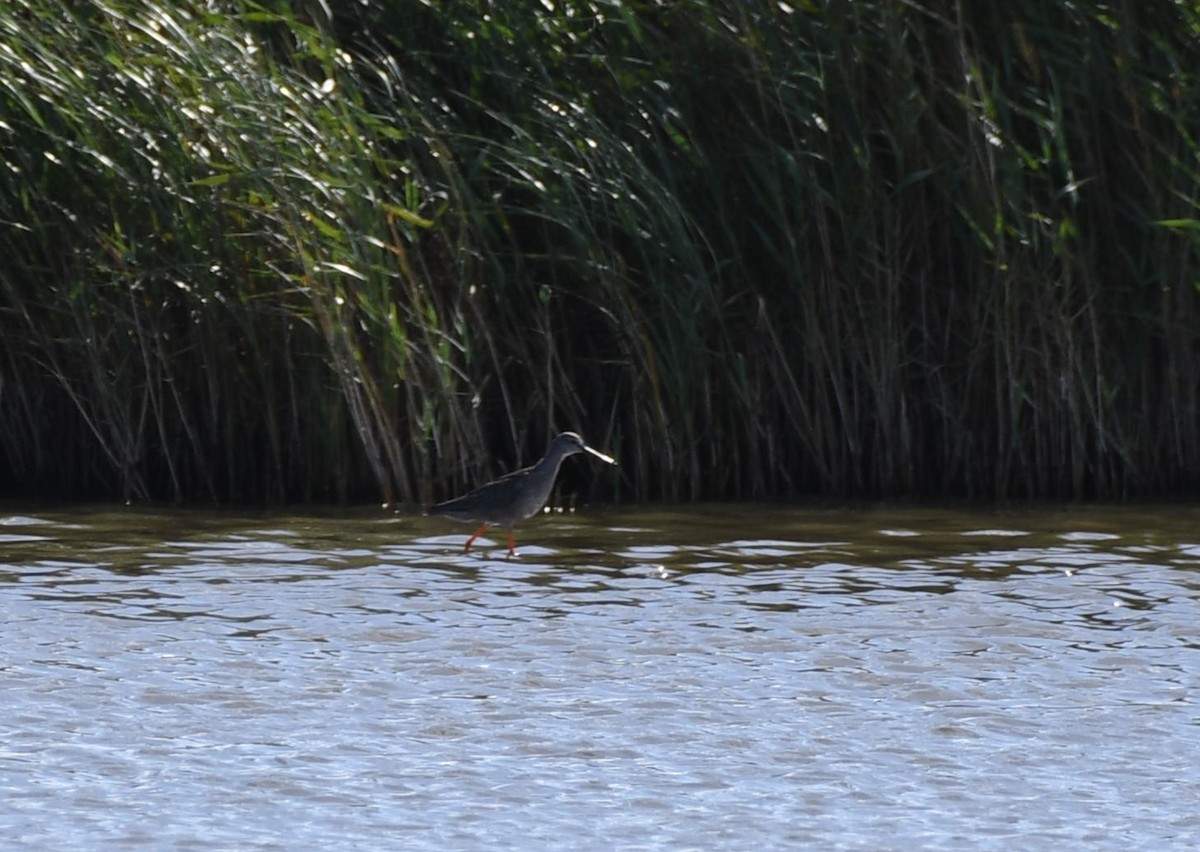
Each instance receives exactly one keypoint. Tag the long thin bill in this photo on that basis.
(600, 455)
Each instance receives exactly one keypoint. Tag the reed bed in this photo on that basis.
(275, 252)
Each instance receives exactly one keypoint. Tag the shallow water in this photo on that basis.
(713, 678)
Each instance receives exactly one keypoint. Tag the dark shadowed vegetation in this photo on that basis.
(340, 251)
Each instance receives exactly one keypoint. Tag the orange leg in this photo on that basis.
(512, 544)
(471, 540)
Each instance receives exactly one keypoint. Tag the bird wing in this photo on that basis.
(474, 505)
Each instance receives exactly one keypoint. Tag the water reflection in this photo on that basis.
(715, 678)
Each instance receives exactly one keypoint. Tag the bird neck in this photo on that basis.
(550, 463)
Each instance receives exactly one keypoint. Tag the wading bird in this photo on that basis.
(517, 495)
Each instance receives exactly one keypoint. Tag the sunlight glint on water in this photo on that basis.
(716, 678)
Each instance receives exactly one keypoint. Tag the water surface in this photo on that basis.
(705, 678)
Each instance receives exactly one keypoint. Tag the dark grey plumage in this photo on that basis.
(517, 495)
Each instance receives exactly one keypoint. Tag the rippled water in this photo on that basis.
(715, 678)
